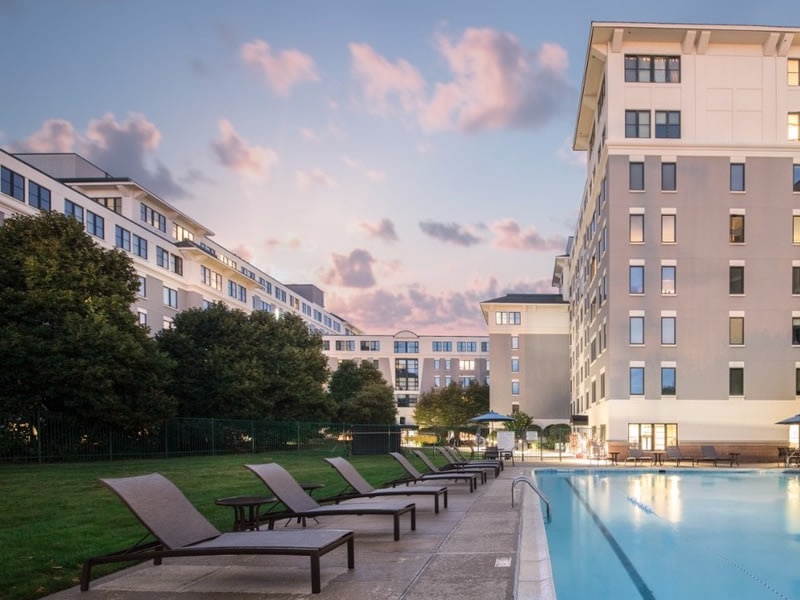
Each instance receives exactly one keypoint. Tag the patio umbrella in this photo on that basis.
(795, 420)
(491, 417)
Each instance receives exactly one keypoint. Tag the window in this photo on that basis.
(170, 297)
(668, 331)
(515, 388)
(636, 229)
(602, 385)
(796, 178)
(122, 238)
(515, 365)
(668, 124)
(514, 342)
(176, 264)
(736, 279)
(467, 346)
(794, 127)
(736, 331)
(795, 331)
(669, 177)
(736, 381)
(793, 71)
(75, 211)
(442, 346)
(210, 278)
(507, 318)
(484, 346)
(38, 196)
(167, 323)
(636, 331)
(652, 69)
(447, 364)
(466, 365)
(668, 280)
(437, 363)
(637, 123)
(637, 381)
(467, 381)
(95, 225)
(370, 345)
(180, 234)
(406, 374)
(346, 345)
(737, 229)
(142, 291)
(142, 316)
(796, 229)
(114, 204)
(795, 280)
(162, 257)
(237, 291)
(667, 381)
(406, 347)
(447, 380)
(437, 381)
(636, 174)
(139, 246)
(406, 401)
(636, 279)
(153, 218)
(12, 184)
(737, 177)
(668, 229)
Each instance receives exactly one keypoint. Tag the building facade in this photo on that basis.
(683, 279)
(529, 352)
(414, 363)
(179, 264)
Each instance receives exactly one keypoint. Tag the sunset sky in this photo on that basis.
(410, 158)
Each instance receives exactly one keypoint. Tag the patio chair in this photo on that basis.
(459, 455)
(454, 463)
(674, 453)
(362, 489)
(636, 455)
(787, 456)
(414, 475)
(708, 454)
(434, 469)
(299, 504)
(180, 530)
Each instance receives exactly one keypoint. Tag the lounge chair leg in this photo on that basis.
(351, 553)
(414, 518)
(445, 498)
(86, 573)
(396, 527)
(436, 503)
(471, 489)
(316, 586)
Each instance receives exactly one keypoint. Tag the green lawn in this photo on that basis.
(53, 516)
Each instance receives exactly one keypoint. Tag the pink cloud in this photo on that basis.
(243, 252)
(238, 154)
(353, 270)
(383, 229)
(309, 134)
(290, 242)
(316, 177)
(511, 236)
(452, 233)
(55, 135)
(283, 70)
(384, 82)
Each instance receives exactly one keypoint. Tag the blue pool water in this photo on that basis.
(674, 535)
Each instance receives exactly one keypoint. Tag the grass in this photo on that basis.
(54, 516)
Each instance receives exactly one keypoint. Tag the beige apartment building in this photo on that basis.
(414, 363)
(683, 279)
(180, 266)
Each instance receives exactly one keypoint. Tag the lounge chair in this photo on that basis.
(362, 489)
(460, 455)
(636, 455)
(180, 530)
(299, 504)
(414, 475)
(674, 453)
(787, 456)
(709, 454)
(454, 463)
(436, 470)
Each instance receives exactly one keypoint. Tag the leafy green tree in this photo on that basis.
(70, 343)
(373, 404)
(347, 381)
(451, 406)
(522, 422)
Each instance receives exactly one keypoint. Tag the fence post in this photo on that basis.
(252, 437)
(166, 438)
(110, 449)
(297, 425)
(560, 437)
(39, 436)
(213, 440)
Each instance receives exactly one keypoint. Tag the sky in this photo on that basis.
(410, 158)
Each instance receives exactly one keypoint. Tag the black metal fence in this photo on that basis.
(51, 438)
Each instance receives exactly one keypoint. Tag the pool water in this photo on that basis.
(683, 535)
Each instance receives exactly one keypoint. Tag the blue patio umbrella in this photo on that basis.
(795, 420)
(491, 417)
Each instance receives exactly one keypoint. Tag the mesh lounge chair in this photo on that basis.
(180, 530)
(362, 489)
(436, 470)
(674, 453)
(636, 455)
(709, 454)
(414, 475)
(299, 504)
(459, 455)
(454, 463)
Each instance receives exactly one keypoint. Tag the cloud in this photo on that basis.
(243, 252)
(309, 134)
(282, 71)
(383, 229)
(376, 175)
(424, 147)
(316, 177)
(55, 135)
(354, 270)
(290, 242)
(351, 162)
(198, 176)
(200, 67)
(510, 236)
(236, 153)
(449, 232)
(570, 156)
(384, 83)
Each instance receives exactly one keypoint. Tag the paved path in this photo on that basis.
(454, 554)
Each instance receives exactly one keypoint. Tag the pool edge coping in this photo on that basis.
(534, 572)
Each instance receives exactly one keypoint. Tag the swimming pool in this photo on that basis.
(674, 534)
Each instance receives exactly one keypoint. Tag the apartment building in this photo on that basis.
(414, 363)
(683, 279)
(179, 264)
(529, 352)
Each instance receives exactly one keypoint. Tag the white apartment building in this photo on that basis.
(683, 280)
(414, 363)
(179, 264)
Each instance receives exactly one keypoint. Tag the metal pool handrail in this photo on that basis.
(532, 485)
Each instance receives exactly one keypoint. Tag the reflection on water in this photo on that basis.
(793, 504)
(658, 492)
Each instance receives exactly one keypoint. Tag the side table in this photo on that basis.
(248, 521)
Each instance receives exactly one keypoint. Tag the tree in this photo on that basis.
(451, 406)
(70, 343)
(521, 423)
(361, 395)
